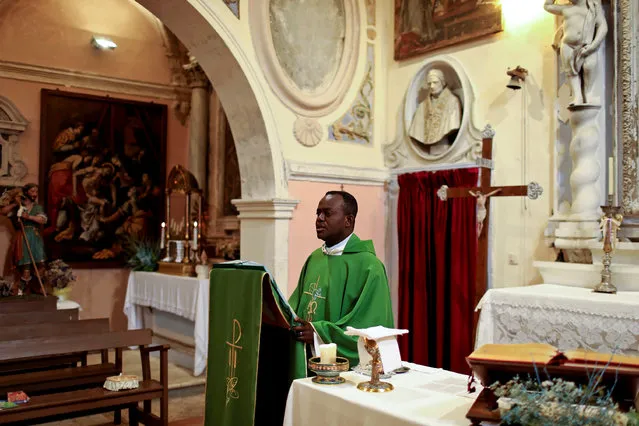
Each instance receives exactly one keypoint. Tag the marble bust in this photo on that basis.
(438, 117)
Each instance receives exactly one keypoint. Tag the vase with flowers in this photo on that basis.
(59, 276)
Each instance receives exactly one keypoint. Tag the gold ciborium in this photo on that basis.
(328, 374)
(374, 384)
(610, 223)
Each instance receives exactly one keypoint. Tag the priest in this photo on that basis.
(343, 283)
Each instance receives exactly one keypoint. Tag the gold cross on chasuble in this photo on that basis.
(533, 191)
(315, 291)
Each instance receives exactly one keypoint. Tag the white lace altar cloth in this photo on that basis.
(565, 317)
(186, 297)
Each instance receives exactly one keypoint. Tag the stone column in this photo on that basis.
(198, 123)
(392, 242)
(268, 222)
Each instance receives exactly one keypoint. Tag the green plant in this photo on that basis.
(143, 254)
(558, 402)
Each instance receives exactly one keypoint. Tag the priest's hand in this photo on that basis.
(303, 332)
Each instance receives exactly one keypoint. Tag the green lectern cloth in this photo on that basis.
(252, 357)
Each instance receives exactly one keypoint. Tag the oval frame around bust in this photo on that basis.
(324, 101)
(459, 84)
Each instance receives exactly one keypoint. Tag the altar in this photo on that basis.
(423, 396)
(176, 308)
(565, 317)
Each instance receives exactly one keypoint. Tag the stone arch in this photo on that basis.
(222, 59)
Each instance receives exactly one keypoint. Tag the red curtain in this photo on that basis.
(437, 263)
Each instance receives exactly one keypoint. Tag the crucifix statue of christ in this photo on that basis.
(483, 193)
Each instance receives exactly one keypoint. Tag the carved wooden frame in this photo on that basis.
(626, 103)
(301, 102)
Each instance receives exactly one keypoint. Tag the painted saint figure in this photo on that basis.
(583, 31)
(27, 247)
(438, 117)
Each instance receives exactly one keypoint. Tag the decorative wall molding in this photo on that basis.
(277, 208)
(626, 119)
(12, 124)
(403, 152)
(303, 103)
(331, 173)
(87, 80)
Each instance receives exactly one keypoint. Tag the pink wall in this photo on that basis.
(370, 223)
(100, 292)
(57, 33)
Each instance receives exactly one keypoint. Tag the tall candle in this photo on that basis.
(162, 235)
(328, 353)
(195, 234)
(611, 174)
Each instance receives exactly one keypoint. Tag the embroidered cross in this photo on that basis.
(315, 291)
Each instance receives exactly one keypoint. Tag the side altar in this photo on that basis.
(176, 308)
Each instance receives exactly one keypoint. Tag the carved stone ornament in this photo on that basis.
(436, 123)
(310, 75)
(12, 124)
(307, 131)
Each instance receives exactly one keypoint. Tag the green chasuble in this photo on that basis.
(347, 290)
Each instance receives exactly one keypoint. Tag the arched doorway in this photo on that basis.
(264, 207)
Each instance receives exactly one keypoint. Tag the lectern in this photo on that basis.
(253, 358)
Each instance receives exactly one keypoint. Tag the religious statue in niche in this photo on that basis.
(438, 117)
(582, 33)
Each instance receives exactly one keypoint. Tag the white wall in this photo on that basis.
(518, 224)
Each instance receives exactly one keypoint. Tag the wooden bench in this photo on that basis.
(18, 326)
(86, 395)
(12, 305)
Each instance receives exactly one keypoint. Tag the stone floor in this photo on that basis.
(186, 395)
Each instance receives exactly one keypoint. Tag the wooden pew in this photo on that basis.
(22, 318)
(11, 305)
(86, 395)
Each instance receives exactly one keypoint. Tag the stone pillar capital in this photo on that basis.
(276, 208)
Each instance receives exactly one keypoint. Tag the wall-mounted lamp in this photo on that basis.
(517, 76)
(103, 43)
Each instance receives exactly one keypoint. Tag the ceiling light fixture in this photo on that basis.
(103, 43)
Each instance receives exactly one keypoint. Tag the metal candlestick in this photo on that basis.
(610, 223)
(374, 385)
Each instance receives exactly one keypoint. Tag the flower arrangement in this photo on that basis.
(229, 249)
(143, 254)
(559, 402)
(59, 275)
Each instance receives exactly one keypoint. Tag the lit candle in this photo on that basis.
(611, 174)
(328, 353)
(162, 235)
(195, 235)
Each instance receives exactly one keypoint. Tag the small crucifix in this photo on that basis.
(483, 193)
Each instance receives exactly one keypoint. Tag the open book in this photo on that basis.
(544, 354)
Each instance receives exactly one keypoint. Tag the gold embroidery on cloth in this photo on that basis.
(315, 291)
(231, 380)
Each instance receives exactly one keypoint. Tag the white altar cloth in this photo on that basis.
(565, 317)
(186, 297)
(423, 396)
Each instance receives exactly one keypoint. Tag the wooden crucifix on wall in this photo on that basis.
(483, 193)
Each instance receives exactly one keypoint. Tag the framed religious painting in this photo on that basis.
(425, 25)
(102, 174)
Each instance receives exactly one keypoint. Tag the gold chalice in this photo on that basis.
(328, 374)
(374, 384)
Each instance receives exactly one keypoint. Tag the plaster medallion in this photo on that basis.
(307, 131)
(307, 50)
